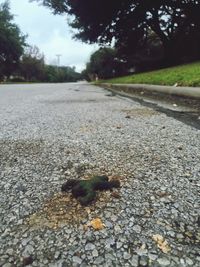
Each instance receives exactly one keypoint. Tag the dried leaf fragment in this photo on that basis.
(161, 243)
(96, 224)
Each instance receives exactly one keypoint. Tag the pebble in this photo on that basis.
(99, 260)
(77, 260)
(163, 261)
(108, 224)
(89, 246)
(117, 229)
(28, 251)
(95, 253)
(25, 241)
(137, 229)
(152, 257)
(134, 261)
(119, 245)
(127, 255)
(113, 218)
(9, 251)
(189, 261)
(143, 261)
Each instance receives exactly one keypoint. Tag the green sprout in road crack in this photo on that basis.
(85, 190)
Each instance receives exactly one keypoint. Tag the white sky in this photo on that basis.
(50, 33)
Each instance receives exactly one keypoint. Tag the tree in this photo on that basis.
(31, 66)
(12, 42)
(61, 74)
(102, 63)
(129, 23)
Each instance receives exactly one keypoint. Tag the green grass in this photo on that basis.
(184, 75)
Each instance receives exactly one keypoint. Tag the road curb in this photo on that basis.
(146, 89)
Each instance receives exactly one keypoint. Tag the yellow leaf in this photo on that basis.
(97, 224)
(161, 243)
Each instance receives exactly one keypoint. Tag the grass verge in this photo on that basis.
(183, 75)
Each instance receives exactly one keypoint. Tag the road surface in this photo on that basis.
(53, 132)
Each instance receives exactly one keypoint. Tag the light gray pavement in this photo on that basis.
(50, 133)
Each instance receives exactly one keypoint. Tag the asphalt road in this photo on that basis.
(53, 132)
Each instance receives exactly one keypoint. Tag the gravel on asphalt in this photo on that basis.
(51, 133)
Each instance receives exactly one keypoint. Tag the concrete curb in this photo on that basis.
(146, 89)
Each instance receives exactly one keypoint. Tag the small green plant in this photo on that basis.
(85, 190)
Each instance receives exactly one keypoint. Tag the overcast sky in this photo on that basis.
(50, 33)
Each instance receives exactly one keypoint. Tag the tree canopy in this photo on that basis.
(102, 63)
(61, 74)
(31, 66)
(12, 42)
(128, 23)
